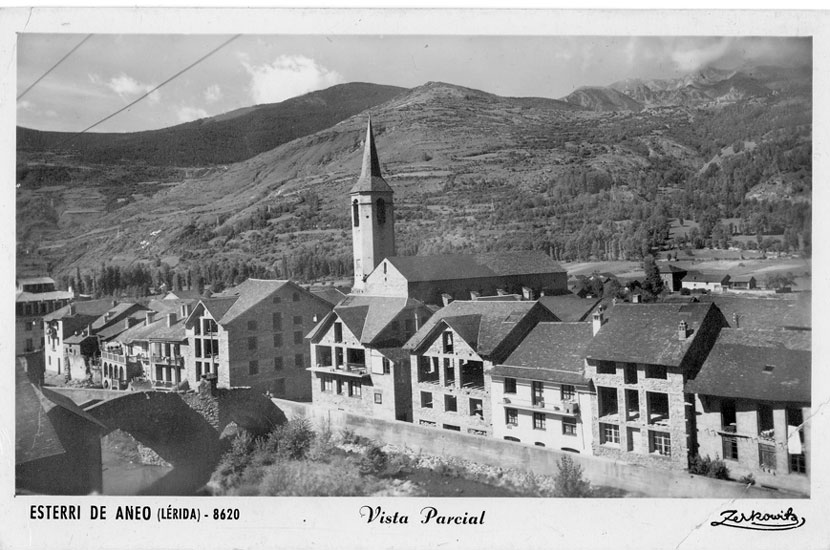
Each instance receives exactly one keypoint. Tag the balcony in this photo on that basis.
(168, 361)
(114, 357)
(356, 370)
(561, 408)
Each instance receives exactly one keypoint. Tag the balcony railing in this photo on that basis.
(349, 369)
(564, 408)
(167, 360)
(116, 357)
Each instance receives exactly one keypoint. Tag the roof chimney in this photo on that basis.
(149, 317)
(185, 311)
(71, 309)
(682, 330)
(171, 319)
(474, 294)
(528, 294)
(446, 298)
(417, 321)
(114, 303)
(598, 319)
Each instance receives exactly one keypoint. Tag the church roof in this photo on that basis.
(473, 266)
(370, 180)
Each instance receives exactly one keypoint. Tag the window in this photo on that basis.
(30, 346)
(606, 367)
(277, 363)
(539, 444)
(276, 300)
(252, 342)
(276, 318)
(728, 420)
(660, 443)
(279, 387)
(632, 404)
(298, 337)
(609, 434)
(449, 372)
(355, 388)
(766, 427)
(476, 408)
(387, 366)
(795, 440)
(730, 447)
(509, 385)
(568, 426)
(511, 417)
(426, 400)
(450, 403)
(378, 398)
(338, 333)
(295, 297)
(298, 319)
(28, 326)
(630, 373)
(566, 392)
(355, 213)
(278, 340)
(381, 211)
(448, 346)
(658, 407)
(656, 371)
(299, 360)
(452, 428)
(538, 421)
(538, 393)
(339, 387)
(251, 325)
(253, 367)
(607, 398)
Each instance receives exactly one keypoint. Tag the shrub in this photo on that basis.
(291, 440)
(322, 447)
(338, 478)
(748, 479)
(569, 481)
(373, 461)
(708, 467)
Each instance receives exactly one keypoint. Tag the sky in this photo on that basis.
(108, 72)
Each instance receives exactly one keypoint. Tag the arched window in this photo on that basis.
(381, 207)
(355, 213)
(121, 373)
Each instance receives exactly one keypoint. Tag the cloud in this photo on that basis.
(186, 114)
(213, 93)
(25, 105)
(127, 87)
(693, 57)
(288, 76)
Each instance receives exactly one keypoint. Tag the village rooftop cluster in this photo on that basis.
(486, 345)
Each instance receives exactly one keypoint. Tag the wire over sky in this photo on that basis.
(53, 67)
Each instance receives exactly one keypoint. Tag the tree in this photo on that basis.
(653, 284)
(569, 482)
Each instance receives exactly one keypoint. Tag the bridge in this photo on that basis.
(185, 429)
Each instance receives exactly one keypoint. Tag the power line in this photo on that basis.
(53, 67)
(178, 74)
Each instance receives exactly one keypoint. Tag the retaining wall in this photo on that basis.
(494, 452)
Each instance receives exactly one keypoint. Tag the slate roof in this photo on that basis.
(483, 325)
(737, 366)
(171, 305)
(157, 330)
(117, 313)
(647, 333)
(570, 307)
(764, 313)
(698, 277)
(368, 317)
(553, 352)
(669, 268)
(35, 281)
(370, 180)
(192, 295)
(118, 327)
(471, 266)
(43, 296)
(96, 308)
(249, 293)
(35, 435)
(217, 307)
(77, 338)
(742, 278)
(329, 294)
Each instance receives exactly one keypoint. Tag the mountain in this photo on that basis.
(472, 171)
(226, 138)
(597, 98)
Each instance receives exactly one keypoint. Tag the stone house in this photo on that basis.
(639, 362)
(672, 276)
(357, 363)
(709, 282)
(451, 357)
(540, 395)
(36, 297)
(743, 282)
(753, 405)
(254, 335)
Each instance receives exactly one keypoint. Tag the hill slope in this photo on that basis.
(223, 139)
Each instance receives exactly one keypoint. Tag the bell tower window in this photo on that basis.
(355, 213)
(381, 209)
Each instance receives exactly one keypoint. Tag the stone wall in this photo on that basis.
(649, 481)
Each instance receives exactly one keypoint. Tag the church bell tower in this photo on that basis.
(373, 215)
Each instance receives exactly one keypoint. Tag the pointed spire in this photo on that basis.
(371, 164)
(370, 180)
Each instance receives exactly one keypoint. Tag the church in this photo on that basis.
(438, 279)
(359, 361)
